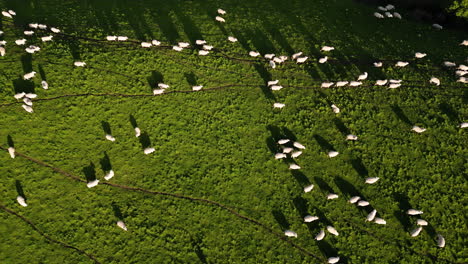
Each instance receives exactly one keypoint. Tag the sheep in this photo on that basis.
(155, 42)
(420, 55)
(46, 38)
(388, 14)
(20, 42)
(269, 56)
(33, 25)
(354, 83)
(29, 75)
(463, 125)
(449, 64)
(310, 218)
(158, 91)
(277, 60)
(354, 199)
(163, 85)
(283, 58)
(28, 33)
(55, 30)
(27, 101)
(381, 8)
(351, 137)
(327, 84)
(341, 83)
(19, 95)
(148, 150)
(137, 132)
(110, 137)
(30, 95)
(320, 235)
(13, 13)
(435, 81)
(333, 154)
(397, 15)
(221, 11)
(390, 7)
(254, 54)
(332, 196)
(380, 221)
(421, 222)
(28, 50)
(308, 188)
(276, 87)
(44, 85)
(283, 141)
(203, 52)
(109, 175)
(395, 81)
(6, 14)
(323, 60)
(294, 167)
(177, 48)
(370, 217)
(200, 42)
(401, 63)
(296, 154)
(440, 241)
(92, 184)
(270, 83)
(122, 225)
(378, 15)
(437, 26)
(378, 64)
(146, 44)
(290, 233)
(394, 85)
(296, 55)
(332, 230)
(418, 129)
(20, 199)
(122, 38)
(381, 82)
(363, 203)
(220, 19)
(79, 63)
(462, 80)
(287, 150)
(272, 64)
(280, 156)
(372, 180)
(232, 39)
(207, 47)
(461, 73)
(362, 76)
(197, 87)
(278, 105)
(414, 212)
(302, 59)
(11, 151)
(327, 48)
(335, 109)
(298, 145)
(464, 42)
(333, 260)
(183, 44)
(415, 232)
(41, 26)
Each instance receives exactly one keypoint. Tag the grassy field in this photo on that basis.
(219, 144)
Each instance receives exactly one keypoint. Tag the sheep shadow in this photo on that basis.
(266, 76)
(327, 249)
(20, 85)
(299, 176)
(190, 29)
(167, 27)
(359, 167)
(301, 205)
(155, 78)
(323, 185)
(133, 121)
(401, 215)
(10, 141)
(341, 126)
(261, 42)
(324, 144)
(105, 163)
(90, 172)
(347, 188)
(400, 114)
(42, 72)
(191, 78)
(145, 140)
(277, 36)
(277, 133)
(281, 219)
(449, 111)
(117, 212)
(106, 127)
(19, 189)
(26, 62)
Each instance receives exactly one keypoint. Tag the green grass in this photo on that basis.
(218, 144)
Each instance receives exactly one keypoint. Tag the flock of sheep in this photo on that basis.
(290, 149)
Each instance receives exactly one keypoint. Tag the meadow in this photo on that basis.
(212, 192)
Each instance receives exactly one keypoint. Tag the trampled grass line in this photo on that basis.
(61, 243)
(178, 196)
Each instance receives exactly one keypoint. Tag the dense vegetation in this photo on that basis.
(220, 144)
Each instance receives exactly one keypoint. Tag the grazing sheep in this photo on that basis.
(420, 55)
(308, 188)
(296, 154)
(421, 222)
(20, 42)
(148, 150)
(435, 81)
(440, 241)
(46, 38)
(323, 60)
(55, 30)
(310, 218)
(109, 175)
(351, 137)
(333, 154)
(378, 64)
(276, 87)
(401, 63)
(327, 84)
(363, 203)
(296, 55)
(29, 75)
(381, 82)
(414, 212)
(79, 63)
(221, 11)
(380, 221)
(294, 167)
(298, 145)
(302, 59)
(21, 201)
(327, 48)
(232, 39)
(122, 225)
(370, 217)
(335, 109)
(354, 199)
(254, 54)
(437, 26)
(110, 138)
(418, 129)
(415, 232)
(92, 184)
(278, 105)
(156, 42)
(333, 260)
(372, 180)
(280, 156)
(341, 83)
(332, 230)
(197, 87)
(332, 196)
(283, 141)
(290, 233)
(11, 151)
(320, 235)
(220, 19)
(362, 76)
(137, 132)
(146, 44)
(45, 85)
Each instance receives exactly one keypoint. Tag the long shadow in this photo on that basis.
(327, 249)
(133, 121)
(21, 85)
(90, 172)
(277, 36)
(26, 62)
(323, 185)
(134, 16)
(324, 144)
(10, 141)
(301, 205)
(281, 219)
(359, 167)
(190, 29)
(42, 73)
(106, 127)
(403, 203)
(323, 219)
(341, 126)
(266, 76)
(449, 111)
(117, 212)
(19, 189)
(347, 188)
(278, 133)
(74, 47)
(105, 163)
(145, 140)
(300, 177)
(164, 21)
(400, 114)
(155, 78)
(260, 41)
(191, 78)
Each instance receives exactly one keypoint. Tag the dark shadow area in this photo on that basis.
(323, 185)
(10, 141)
(324, 144)
(191, 78)
(90, 172)
(449, 111)
(260, 41)
(105, 163)
(430, 230)
(359, 167)
(19, 189)
(322, 218)
(74, 47)
(327, 250)
(155, 78)
(190, 29)
(145, 140)
(281, 219)
(106, 127)
(266, 76)
(42, 72)
(167, 27)
(300, 177)
(301, 206)
(400, 114)
(278, 133)
(26, 62)
(341, 126)
(277, 36)
(347, 188)
(133, 121)
(25, 86)
(403, 203)
(117, 211)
